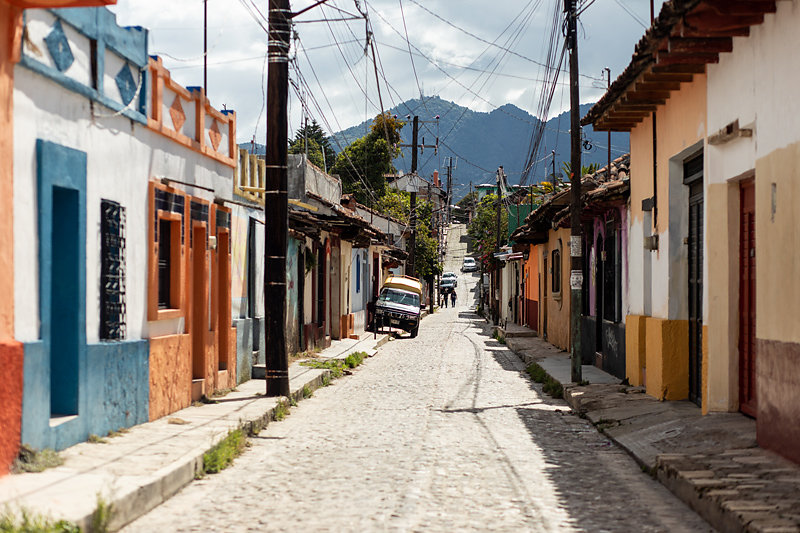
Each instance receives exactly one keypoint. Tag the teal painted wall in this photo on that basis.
(103, 386)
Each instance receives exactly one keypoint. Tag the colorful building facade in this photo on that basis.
(11, 350)
(714, 162)
(122, 263)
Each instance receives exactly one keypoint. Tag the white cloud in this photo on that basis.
(237, 46)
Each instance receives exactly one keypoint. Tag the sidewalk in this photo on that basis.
(138, 470)
(710, 462)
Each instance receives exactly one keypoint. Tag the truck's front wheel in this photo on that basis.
(414, 331)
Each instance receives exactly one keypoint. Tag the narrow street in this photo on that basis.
(444, 432)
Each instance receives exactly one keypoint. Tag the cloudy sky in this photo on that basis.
(478, 54)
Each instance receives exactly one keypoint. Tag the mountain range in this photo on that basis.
(479, 142)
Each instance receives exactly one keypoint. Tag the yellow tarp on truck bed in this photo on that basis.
(405, 283)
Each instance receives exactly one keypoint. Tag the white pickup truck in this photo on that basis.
(398, 304)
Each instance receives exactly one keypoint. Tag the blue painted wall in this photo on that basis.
(109, 382)
(130, 43)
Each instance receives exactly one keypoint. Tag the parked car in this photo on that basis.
(449, 277)
(398, 304)
(469, 265)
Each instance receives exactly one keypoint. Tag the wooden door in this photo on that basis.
(747, 299)
(693, 177)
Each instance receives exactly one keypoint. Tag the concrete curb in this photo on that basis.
(170, 480)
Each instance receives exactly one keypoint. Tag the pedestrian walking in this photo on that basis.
(445, 300)
(453, 298)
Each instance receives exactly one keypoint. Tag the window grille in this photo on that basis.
(556, 271)
(112, 273)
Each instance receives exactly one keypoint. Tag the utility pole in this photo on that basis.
(449, 187)
(608, 168)
(276, 207)
(575, 244)
(555, 179)
(472, 200)
(412, 252)
(205, 48)
(496, 283)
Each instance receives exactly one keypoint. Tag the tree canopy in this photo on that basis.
(363, 164)
(483, 228)
(320, 152)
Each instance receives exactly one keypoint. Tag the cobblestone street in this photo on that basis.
(439, 433)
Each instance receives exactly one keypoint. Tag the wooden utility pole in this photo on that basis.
(276, 207)
(575, 244)
(608, 168)
(205, 47)
(496, 271)
(411, 266)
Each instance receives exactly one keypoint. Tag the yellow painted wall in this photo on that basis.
(720, 336)
(778, 243)
(558, 305)
(666, 360)
(635, 349)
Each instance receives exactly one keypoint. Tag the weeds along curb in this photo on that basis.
(550, 385)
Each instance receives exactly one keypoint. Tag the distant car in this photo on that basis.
(469, 265)
(450, 276)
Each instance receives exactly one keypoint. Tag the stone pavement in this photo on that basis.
(711, 462)
(440, 433)
(141, 468)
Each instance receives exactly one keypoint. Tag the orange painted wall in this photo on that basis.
(11, 352)
(681, 123)
(170, 374)
(532, 273)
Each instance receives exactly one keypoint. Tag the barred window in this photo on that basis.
(556, 276)
(112, 271)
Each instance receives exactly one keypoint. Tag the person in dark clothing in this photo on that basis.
(445, 299)
(453, 298)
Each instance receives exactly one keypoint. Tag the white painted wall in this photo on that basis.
(122, 157)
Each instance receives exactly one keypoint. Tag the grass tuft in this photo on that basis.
(94, 439)
(222, 455)
(28, 522)
(307, 392)
(101, 517)
(281, 411)
(549, 385)
(32, 460)
(355, 359)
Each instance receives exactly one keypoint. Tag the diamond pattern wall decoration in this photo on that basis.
(177, 114)
(58, 46)
(126, 84)
(214, 135)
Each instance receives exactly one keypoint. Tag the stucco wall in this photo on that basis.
(54, 114)
(557, 305)
(659, 278)
(170, 374)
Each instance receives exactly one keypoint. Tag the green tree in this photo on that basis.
(314, 151)
(483, 228)
(320, 151)
(397, 204)
(363, 164)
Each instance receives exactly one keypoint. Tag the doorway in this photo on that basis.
(64, 303)
(747, 298)
(693, 177)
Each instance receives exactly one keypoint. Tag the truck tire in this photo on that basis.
(414, 331)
